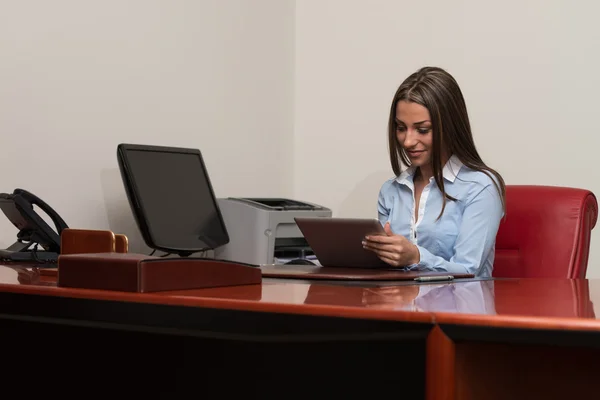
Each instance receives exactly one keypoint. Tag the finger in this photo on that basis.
(383, 247)
(388, 229)
(376, 245)
(387, 255)
(389, 261)
(382, 239)
(391, 257)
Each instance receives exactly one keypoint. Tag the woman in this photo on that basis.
(441, 213)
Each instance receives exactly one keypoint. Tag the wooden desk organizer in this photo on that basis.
(76, 241)
(131, 272)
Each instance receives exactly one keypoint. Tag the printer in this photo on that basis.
(263, 230)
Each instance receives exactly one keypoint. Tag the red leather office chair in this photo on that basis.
(546, 232)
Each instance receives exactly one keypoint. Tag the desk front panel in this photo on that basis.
(172, 345)
(461, 338)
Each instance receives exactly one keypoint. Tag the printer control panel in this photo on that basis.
(280, 204)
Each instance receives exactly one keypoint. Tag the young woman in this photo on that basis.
(443, 211)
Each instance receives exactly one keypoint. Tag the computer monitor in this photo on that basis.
(172, 199)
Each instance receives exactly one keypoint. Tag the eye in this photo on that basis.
(424, 131)
(400, 128)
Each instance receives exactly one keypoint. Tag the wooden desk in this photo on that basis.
(490, 339)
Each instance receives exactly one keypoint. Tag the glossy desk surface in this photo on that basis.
(531, 303)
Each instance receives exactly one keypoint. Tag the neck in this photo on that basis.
(425, 173)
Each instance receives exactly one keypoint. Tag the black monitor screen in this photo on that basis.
(172, 198)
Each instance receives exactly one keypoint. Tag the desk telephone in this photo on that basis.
(33, 230)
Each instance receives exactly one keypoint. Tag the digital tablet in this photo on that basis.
(337, 242)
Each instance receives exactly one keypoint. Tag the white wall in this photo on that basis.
(79, 77)
(528, 70)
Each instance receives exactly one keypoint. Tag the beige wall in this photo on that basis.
(283, 97)
(79, 77)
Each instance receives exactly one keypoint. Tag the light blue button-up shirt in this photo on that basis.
(463, 239)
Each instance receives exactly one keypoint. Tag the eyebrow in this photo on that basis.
(416, 123)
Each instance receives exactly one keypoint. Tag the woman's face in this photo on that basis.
(414, 132)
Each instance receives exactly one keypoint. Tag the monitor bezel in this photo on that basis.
(137, 206)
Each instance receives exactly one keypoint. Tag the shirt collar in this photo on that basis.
(450, 171)
(451, 168)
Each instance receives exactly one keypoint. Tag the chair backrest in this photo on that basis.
(545, 233)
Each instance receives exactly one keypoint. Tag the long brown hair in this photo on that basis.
(436, 90)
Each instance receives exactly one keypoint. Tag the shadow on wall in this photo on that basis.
(362, 200)
(118, 212)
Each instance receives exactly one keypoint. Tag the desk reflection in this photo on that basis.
(22, 275)
(467, 297)
(554, 298)
(522, 297)
(562, 298)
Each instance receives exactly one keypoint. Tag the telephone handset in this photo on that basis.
(33, 230)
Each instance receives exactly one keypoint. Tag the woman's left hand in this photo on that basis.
(395, 250)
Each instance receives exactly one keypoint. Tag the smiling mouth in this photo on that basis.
(415, 152)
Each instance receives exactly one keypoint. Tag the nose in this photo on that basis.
(411, 138)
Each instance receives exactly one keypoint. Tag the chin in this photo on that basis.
(418, 162)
